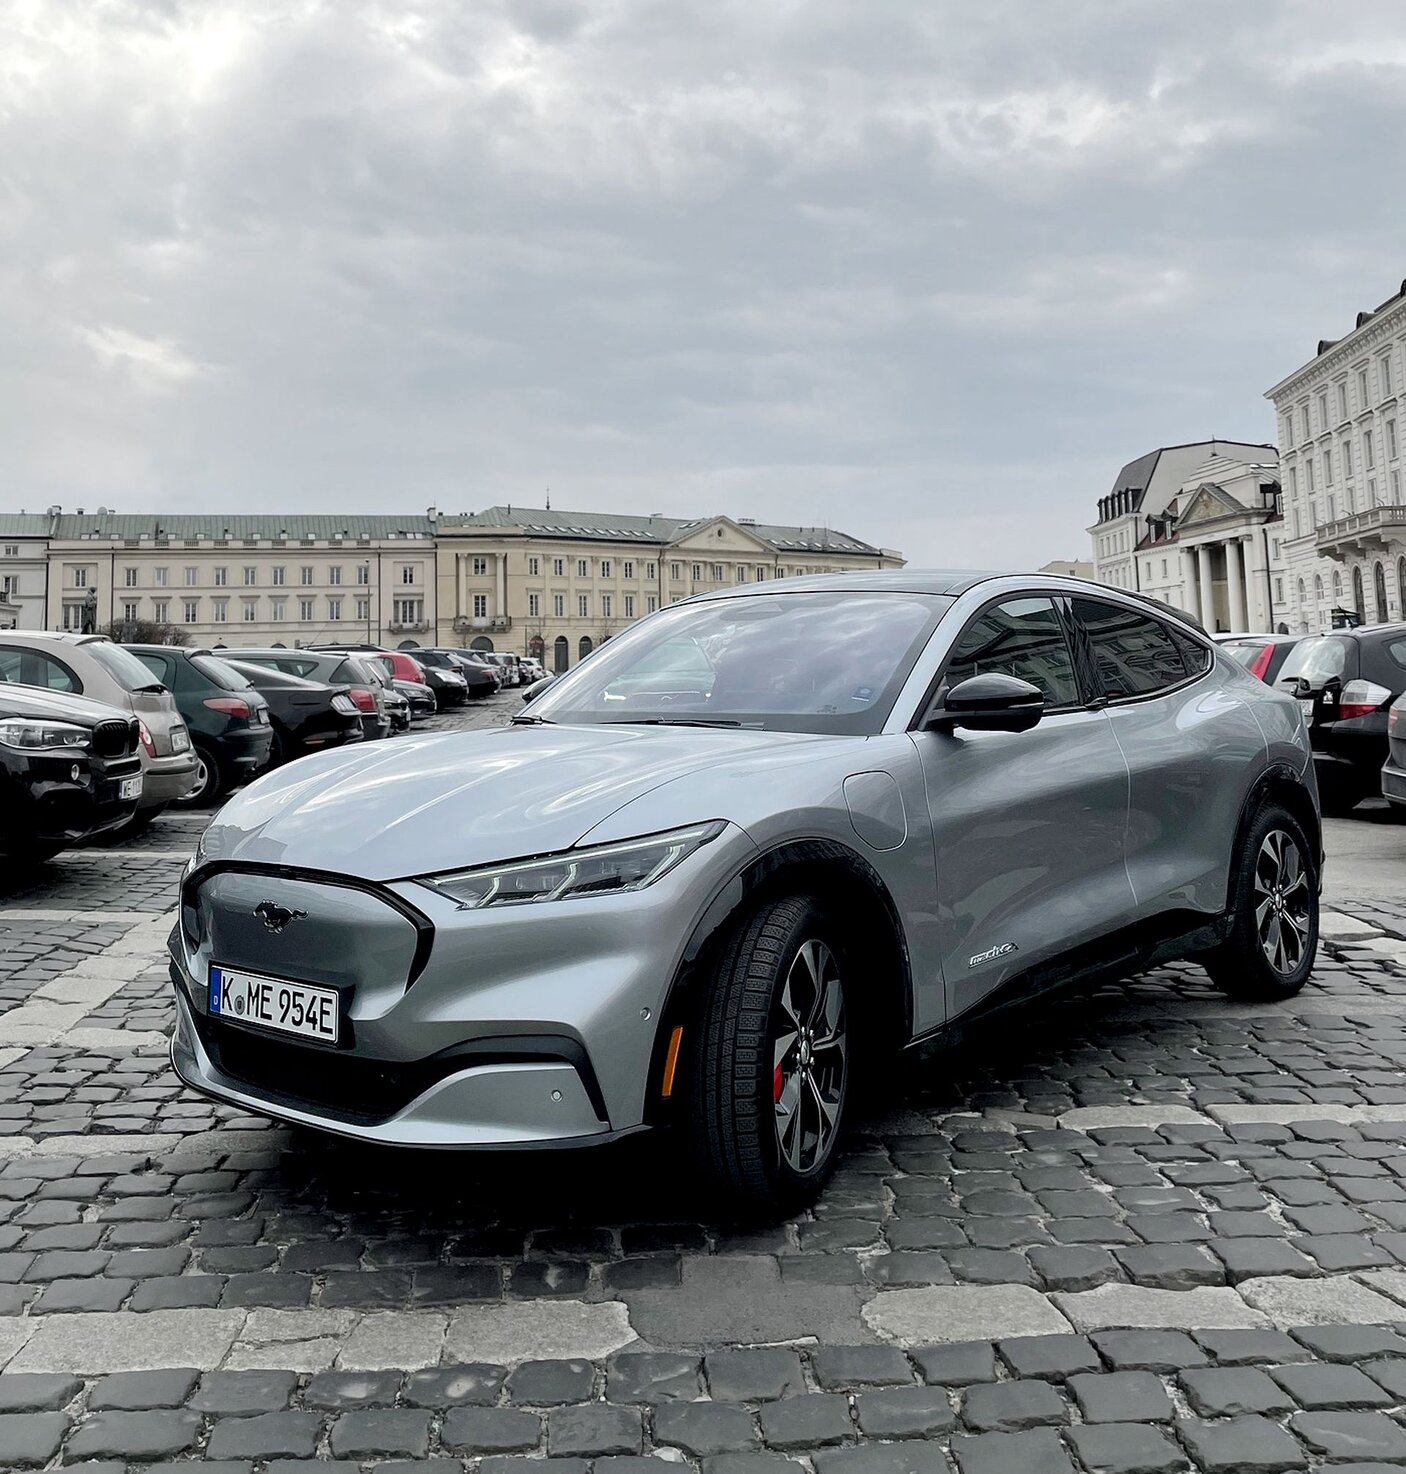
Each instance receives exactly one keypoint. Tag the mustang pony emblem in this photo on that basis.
(274, 916)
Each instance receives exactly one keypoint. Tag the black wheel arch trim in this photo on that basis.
(1277, 777)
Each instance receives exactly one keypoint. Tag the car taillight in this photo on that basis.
(147, 743)
(343, 704)
(1361, 699)
(232, 706)
(1260, 664)
(365, 701)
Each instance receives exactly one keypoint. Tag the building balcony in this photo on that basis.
(410, 626)
(485, 622)
(1376, 531)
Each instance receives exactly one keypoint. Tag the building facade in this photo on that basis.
(1341, 433)
(24, 568)
(557, 584)
(1069, 568)
(246, 580)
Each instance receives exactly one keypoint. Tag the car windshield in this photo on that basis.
(1316, 660)
(121, 665)
(789, 662)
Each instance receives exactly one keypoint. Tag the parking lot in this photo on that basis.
(1143, 1229)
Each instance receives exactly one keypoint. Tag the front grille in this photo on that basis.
(115, 738)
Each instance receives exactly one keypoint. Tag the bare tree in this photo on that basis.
(145, 632)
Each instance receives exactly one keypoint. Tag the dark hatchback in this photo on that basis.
(336, 668)
(1345, 682)
(69, 768)
(306, 716)
(228, 719)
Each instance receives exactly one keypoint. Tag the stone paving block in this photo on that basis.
(1232, 1392)
(234, 1393)
(652, 1377)
(592, 1430)
(1340, 1436)
(400, 1340)
(30, 1440)
(907, 1458)
(373, 1431)
(446, 1387)
(36, 1391)
(962, 1313)
(1008, 1407)
(703, 1429)
(125, 1341)
(491, 1430)
(132, 1391)
(1330, 1386)
(754, 1375)
(1121, 1397)
(1169, 1266)
(1051, 1357)
(809, 1421)
(1036, 1452)
(537, 1330)
(139, 1435)
(846, 1368)
(1350, 1343)
(958, 1365)
(762, 1463)
(1132, 1306)
(1149, 1350)
(904, 1412)
(1338, 1298)
(543, 1383)
(266, 1436)
(337, 1391)
(1251, 1445)
(1073, 1267)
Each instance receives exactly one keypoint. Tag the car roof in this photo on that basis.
(58, 637)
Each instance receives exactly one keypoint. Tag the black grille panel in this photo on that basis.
(115, 738)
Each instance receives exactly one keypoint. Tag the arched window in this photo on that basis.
(1337, 587)
(1359, 602)
(1303, 593)
(584, 648)
(1317, 588)
(1379, 589)
(561, 654)
(481, 642)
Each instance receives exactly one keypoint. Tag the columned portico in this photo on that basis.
(1237, 616)
(1206, 586)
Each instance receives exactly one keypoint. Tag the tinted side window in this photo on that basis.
(1133, 654)
(54, 674)
(158, 665)
(1021, 638)
(1396, 649)
(1197, 658)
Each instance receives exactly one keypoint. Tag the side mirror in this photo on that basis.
(536, 688)
(987, 703)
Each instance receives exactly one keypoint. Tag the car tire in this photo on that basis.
(209, 781)
(1274, 929)
(771, 1070)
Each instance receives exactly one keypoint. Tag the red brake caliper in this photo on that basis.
(776, 1086)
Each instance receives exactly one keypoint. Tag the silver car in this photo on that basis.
(720, 870)
(92, 666)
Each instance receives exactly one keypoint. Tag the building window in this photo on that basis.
(407, 611)
(10, 586)
(559, 567)
(605, 567)
(12, 550)
(80, 577)
(407, 574)
(190, 611)
(580, 568)
(1278, 590)
(651, 570)
(651, 603)
(278, 576)
(629, 606)
(73, 616)
(305, 576)
(741, 573)
(717, 572)
(250, 611)
(131, 611)
(1369, 458)
(363, 574)
(583, 606)
(559, 605)
(363, 609)
(192, 577)
(606, 606)
(129, 578)
(629, 569)
(480, 606)
(1323, 411)
(221, 611)
(161, 611)
(1293, 480)
(251, 577)
(534, 567)
(480, 567)
(1384, 366)
(334, 609)
(280, 608)
(161, 577)
(305, 610)
(1342, 399)
(534, 605)
(1308, 467)
(334, 575)
(221, 577)
(1303, 421)
(1362, 395)
(1327, 466)
(675, 571)
(1391, 440)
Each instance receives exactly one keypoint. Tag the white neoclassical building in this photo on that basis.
(1198, 526)
(1341, 432)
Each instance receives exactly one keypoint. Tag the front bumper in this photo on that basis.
(520, 1026)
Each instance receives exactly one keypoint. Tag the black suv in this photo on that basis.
(227, 717)
(69, 768)
(1345, 681)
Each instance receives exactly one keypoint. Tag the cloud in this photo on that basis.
(927, 271)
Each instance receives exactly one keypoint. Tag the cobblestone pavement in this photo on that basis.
(1143, 1230)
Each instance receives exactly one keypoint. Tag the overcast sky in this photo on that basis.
(926, 270)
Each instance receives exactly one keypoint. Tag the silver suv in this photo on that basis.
(92, 666)
(757, 842)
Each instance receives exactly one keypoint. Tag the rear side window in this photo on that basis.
(1021, 638)
(1243, 654)
(158, 665)
(1133, 654)
(1396, 649)
(219, 674)
(121, 665)
(1317, 660)
(37, 668)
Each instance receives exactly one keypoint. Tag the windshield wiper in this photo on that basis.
(674, 722)
(528, 720)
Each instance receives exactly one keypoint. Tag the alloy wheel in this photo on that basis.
(1282, 901)
(810, 1058)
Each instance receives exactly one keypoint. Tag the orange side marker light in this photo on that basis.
(671, 1062)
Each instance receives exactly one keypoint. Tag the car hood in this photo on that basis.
(44, 704)
(383, 811)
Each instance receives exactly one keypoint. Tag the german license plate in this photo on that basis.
(130, 787)
(274, 1003)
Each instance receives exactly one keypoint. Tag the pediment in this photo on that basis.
(719, 535)
(1209, 503)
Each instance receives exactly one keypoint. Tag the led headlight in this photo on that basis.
(21, 732)
(604, 870)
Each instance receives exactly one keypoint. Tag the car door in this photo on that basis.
(1027, 826)
(1193, 750)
